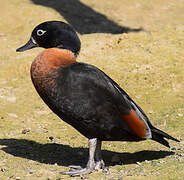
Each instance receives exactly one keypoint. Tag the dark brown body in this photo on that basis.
(79, 103)
(86, 98)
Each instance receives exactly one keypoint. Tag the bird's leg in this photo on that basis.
(76, 170)
(98, 156)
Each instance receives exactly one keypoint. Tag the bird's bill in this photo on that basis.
(29, 45)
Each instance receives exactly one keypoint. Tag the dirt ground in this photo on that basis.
(138, 43)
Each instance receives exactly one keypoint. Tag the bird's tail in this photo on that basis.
(158, 135)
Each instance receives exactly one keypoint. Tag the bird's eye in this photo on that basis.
(40, 32)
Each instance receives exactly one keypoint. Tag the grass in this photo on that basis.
(35, 144)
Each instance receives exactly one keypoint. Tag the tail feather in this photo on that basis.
(158, 135)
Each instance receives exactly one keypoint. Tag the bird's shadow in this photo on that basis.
(83, 18)
(66, 155)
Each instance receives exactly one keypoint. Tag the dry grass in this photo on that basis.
(149, 65)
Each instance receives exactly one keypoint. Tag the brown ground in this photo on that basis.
(147, 63)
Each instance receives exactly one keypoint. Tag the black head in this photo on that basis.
(53, 34)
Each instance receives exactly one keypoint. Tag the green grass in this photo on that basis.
(148, 65)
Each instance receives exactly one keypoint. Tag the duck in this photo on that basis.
(84, 96)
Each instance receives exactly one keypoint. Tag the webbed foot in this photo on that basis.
(78, 171)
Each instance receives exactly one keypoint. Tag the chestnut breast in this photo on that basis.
(44, 67)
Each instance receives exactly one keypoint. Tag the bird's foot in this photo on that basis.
(99, 165)
(78, 170)
(74, 167)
